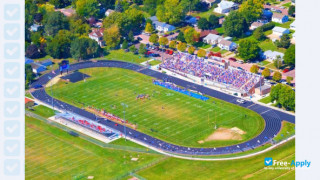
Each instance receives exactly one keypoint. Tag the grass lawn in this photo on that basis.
(43, 111)
(286, 131)
(223, 51)
(269, 45)
(168, 115)
(265, 62)
(123, 142)
(271, 66)
(287, 4)
(220, 31)
(121, 55)
(249, 168)
(206, 14)
(266, 100)
(215, 49)
(154, 62)
(285, 25)
(54, 154)
(202, 45)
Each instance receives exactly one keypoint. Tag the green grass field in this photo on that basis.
(266, 100)
(168, 115)
(287, 130)
(154, 62)
(249, 168)
(121, 55)
(54, 154)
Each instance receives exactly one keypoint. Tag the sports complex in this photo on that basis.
(157, 110)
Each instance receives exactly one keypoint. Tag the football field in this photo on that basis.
(167, 115)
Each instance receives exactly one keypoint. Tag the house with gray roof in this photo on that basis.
(272, 55)
(37, 68)
(160, 26)
(212, 39)
(280, 31)
(227, 45)
(225, 7)
(279, 18)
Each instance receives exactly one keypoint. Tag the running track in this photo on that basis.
(272, 117)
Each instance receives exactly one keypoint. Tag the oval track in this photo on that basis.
(272, 117)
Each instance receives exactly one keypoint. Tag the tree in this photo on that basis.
(149, 28)
(130, 36)
(292, 10)
(290, 55)
(150, 6)
(289, 79)
(54, 22)
(112, 36)
(213, 21)
(35, 38)
(277, 76)
(87, 8)
(284, 41)
(191, 35)
(78, 26)
(203, 24)
(60, 3)
(33, 52)
(248, 49)
(180, 37)
(201, 53)
(173, 44)
(252, 10)
(84, 48)
(142, 49)
(171, 12)
(107, 4)
(125, 44)
(258, 34)
(266, 73)
(154, 38)
(182, 46)
(254, 69)
(59, 46)
(163, 41)
(277, 62)
(284, 96)
(191, 50)
(133, 48)
(235, 24)
(29, 74)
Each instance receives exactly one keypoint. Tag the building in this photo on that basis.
(279, 18)
(97, 35)
(191, 20)
(205, 33)
(67, 12)
(227, 45)
(255, 25)
(272, 55)
(28, 103)
(293, 25)
(46, 62)
(225, 7)
(34, 27)
(209, 2)
(108, 12)
(280, 31)
(263, 90)
(28, 60)
(160, 26)
(37, 68)
(212, 39)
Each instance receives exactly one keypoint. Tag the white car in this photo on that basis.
(241, 101)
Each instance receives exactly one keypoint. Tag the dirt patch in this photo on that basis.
(248, 176)
(53, 81)
(225, 134)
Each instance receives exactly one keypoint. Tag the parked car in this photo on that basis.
(232, 59)
(286, 70)
(241, 101)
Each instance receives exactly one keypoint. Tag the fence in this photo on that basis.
(92, 140)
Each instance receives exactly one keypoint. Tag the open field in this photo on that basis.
(121, 55)
(287, 130)
(168, 115)
(249, 168)
(266, 100)
(54, 154)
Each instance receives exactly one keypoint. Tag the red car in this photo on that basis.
(167, 51)
(170, 52)
(285, 70)
(233, 59)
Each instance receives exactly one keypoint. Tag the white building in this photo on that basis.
(212, 39)
(160, 26)
(227, 45)
(225, 7)
(97, 35)
(280, 18)
(279, 31)
(272, 55)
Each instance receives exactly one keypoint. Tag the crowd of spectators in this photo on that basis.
(185, 64)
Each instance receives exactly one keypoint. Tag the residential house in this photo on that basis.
(28, 60)
(37, 68)
(160, 26)
(209, 2)
(67, 12)
(108, 12)
(34, 27)
(280, 18)
(225, 7)
(280, 31)
(293, 25)
(221, 20)
(46, 62)
(272, 55)
(97, 35)
(191, 20)
(212, 39)
(205, 33)
(227, 45)
(255, 25)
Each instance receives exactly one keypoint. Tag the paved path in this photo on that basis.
(273, 118)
